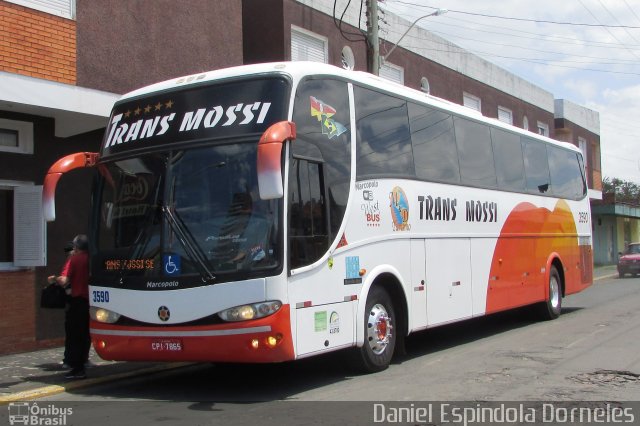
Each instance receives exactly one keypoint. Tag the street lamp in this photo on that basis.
(436, 13)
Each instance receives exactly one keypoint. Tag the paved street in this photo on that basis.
(592, 352)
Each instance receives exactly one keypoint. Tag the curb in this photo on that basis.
(605, 277)
(80, 384)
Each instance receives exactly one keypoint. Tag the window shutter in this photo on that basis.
(29, 227)
(393, 73)
(305, 47)
(63, 8)
(505, 115)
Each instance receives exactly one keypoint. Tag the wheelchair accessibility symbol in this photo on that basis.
(171, 263)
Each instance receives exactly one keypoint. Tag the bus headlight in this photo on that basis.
(249, 312)
(104, 315)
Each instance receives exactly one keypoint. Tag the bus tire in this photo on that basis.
(551, 308)
(379, 333)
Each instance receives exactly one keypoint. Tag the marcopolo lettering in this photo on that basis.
(437, 208)
(479, 211)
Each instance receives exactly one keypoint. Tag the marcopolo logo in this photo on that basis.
(26, 413)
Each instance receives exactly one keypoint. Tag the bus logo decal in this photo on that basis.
(371, 208)
(164, 313)
(399, 209)
(324, 114)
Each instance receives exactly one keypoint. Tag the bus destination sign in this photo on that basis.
(230, 109)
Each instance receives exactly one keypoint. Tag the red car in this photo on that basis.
(629, 261)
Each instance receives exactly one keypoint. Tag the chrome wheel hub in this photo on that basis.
(554, 293)
(378, 329)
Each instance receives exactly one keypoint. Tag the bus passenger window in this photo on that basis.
(507, 154)
(434, 144)
(536, 167)
(475, 153)
(384, 139)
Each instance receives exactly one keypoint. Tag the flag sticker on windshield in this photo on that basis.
(324, 113)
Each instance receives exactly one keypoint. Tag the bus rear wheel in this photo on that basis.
(379, 333)
(551, 308)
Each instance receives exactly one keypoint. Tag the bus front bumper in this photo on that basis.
(259, 341)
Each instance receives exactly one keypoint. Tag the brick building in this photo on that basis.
(63, 63)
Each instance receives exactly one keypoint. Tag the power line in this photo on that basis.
(538, 21)
(616, 61)
(616, 21)
(536, 36)
(534, 61)
(606, 28)
(632, 11)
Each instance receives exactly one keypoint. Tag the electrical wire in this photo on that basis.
(538, 21)
(607, 28)
(535, 36)
(338, 23)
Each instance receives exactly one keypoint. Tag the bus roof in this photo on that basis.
(300, 69)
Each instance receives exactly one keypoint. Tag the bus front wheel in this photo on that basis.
(551, 308)
(379, 333)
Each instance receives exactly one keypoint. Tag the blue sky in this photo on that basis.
(595, 65)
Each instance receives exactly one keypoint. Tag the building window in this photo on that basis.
(505, 115)
(347, 58)
(16, 136)
(471, 101)
(424, 85)
(543, 129)
(582, 144)
(22, 229)
(392, 72)
(63, 8)
(308, 46)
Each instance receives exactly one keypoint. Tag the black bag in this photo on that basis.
(53, 297)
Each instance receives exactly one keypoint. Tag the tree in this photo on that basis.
(623, 191)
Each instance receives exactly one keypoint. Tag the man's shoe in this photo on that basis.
(76, 374)
(64, 365)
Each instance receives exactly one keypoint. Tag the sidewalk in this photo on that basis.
(31, 375)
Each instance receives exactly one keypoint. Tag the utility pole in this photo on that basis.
(373, 43)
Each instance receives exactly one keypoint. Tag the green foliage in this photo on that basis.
(624, 191)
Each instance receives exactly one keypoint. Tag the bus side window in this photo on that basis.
(507, 154)
(434, 144)
(536, 167)
(383, 137)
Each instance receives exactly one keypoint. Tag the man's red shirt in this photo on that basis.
(78, 274)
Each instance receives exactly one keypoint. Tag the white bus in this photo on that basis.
(278, 211)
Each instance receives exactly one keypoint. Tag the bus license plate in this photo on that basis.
(166, 345)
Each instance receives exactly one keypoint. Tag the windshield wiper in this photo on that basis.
(190, 245)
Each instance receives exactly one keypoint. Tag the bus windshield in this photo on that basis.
(193, 213)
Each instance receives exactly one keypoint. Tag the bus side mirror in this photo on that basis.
(63, 165)
(270, 159)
